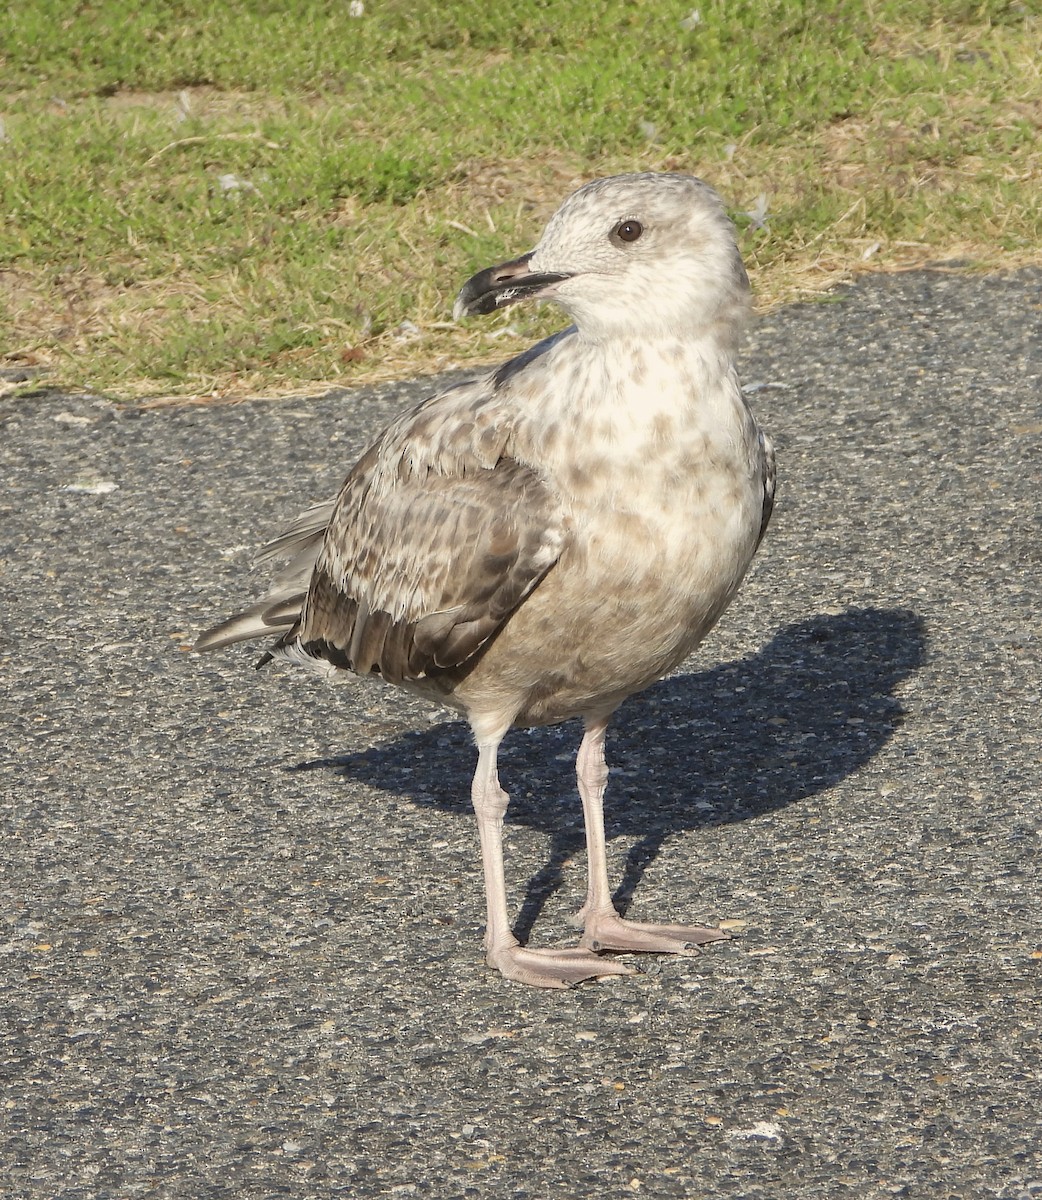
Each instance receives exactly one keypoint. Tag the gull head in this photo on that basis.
(642, 255)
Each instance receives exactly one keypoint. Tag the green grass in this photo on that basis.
(219, 197)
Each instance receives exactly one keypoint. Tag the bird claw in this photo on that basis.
(609, 931)
(554, 967)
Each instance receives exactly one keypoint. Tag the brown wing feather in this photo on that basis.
(298, 548)
(769, 482)
(437, 535)
(416, 575)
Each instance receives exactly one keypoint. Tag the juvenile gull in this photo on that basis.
(550, 537)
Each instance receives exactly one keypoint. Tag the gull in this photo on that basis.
(541, 541)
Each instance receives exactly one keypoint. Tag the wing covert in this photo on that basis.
(418, 571)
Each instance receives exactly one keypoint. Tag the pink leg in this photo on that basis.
(554, 968)
(603, 928)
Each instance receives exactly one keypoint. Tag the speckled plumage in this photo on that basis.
(556, 534)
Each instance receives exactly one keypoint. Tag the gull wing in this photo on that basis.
(437, 535)
(419, 576)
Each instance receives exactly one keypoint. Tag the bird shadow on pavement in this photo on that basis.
(726, 744)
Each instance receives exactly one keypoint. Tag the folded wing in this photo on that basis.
(438, 534)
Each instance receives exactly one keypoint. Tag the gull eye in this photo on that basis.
(627, 231)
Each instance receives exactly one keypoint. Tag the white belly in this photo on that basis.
(650, 567)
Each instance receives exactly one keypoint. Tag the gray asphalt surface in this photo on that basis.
(242, 910)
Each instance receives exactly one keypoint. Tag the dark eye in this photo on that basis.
(628, 231)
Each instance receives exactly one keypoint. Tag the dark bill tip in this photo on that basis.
(496, 287)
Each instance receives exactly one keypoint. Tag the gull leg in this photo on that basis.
(554, 968)
(603, 928)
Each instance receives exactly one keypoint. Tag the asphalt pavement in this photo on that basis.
(242, 910)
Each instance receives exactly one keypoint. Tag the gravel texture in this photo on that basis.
(242, 910)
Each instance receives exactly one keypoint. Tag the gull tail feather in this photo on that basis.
(279, 610)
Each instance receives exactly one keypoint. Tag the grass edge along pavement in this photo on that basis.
(209, 202)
